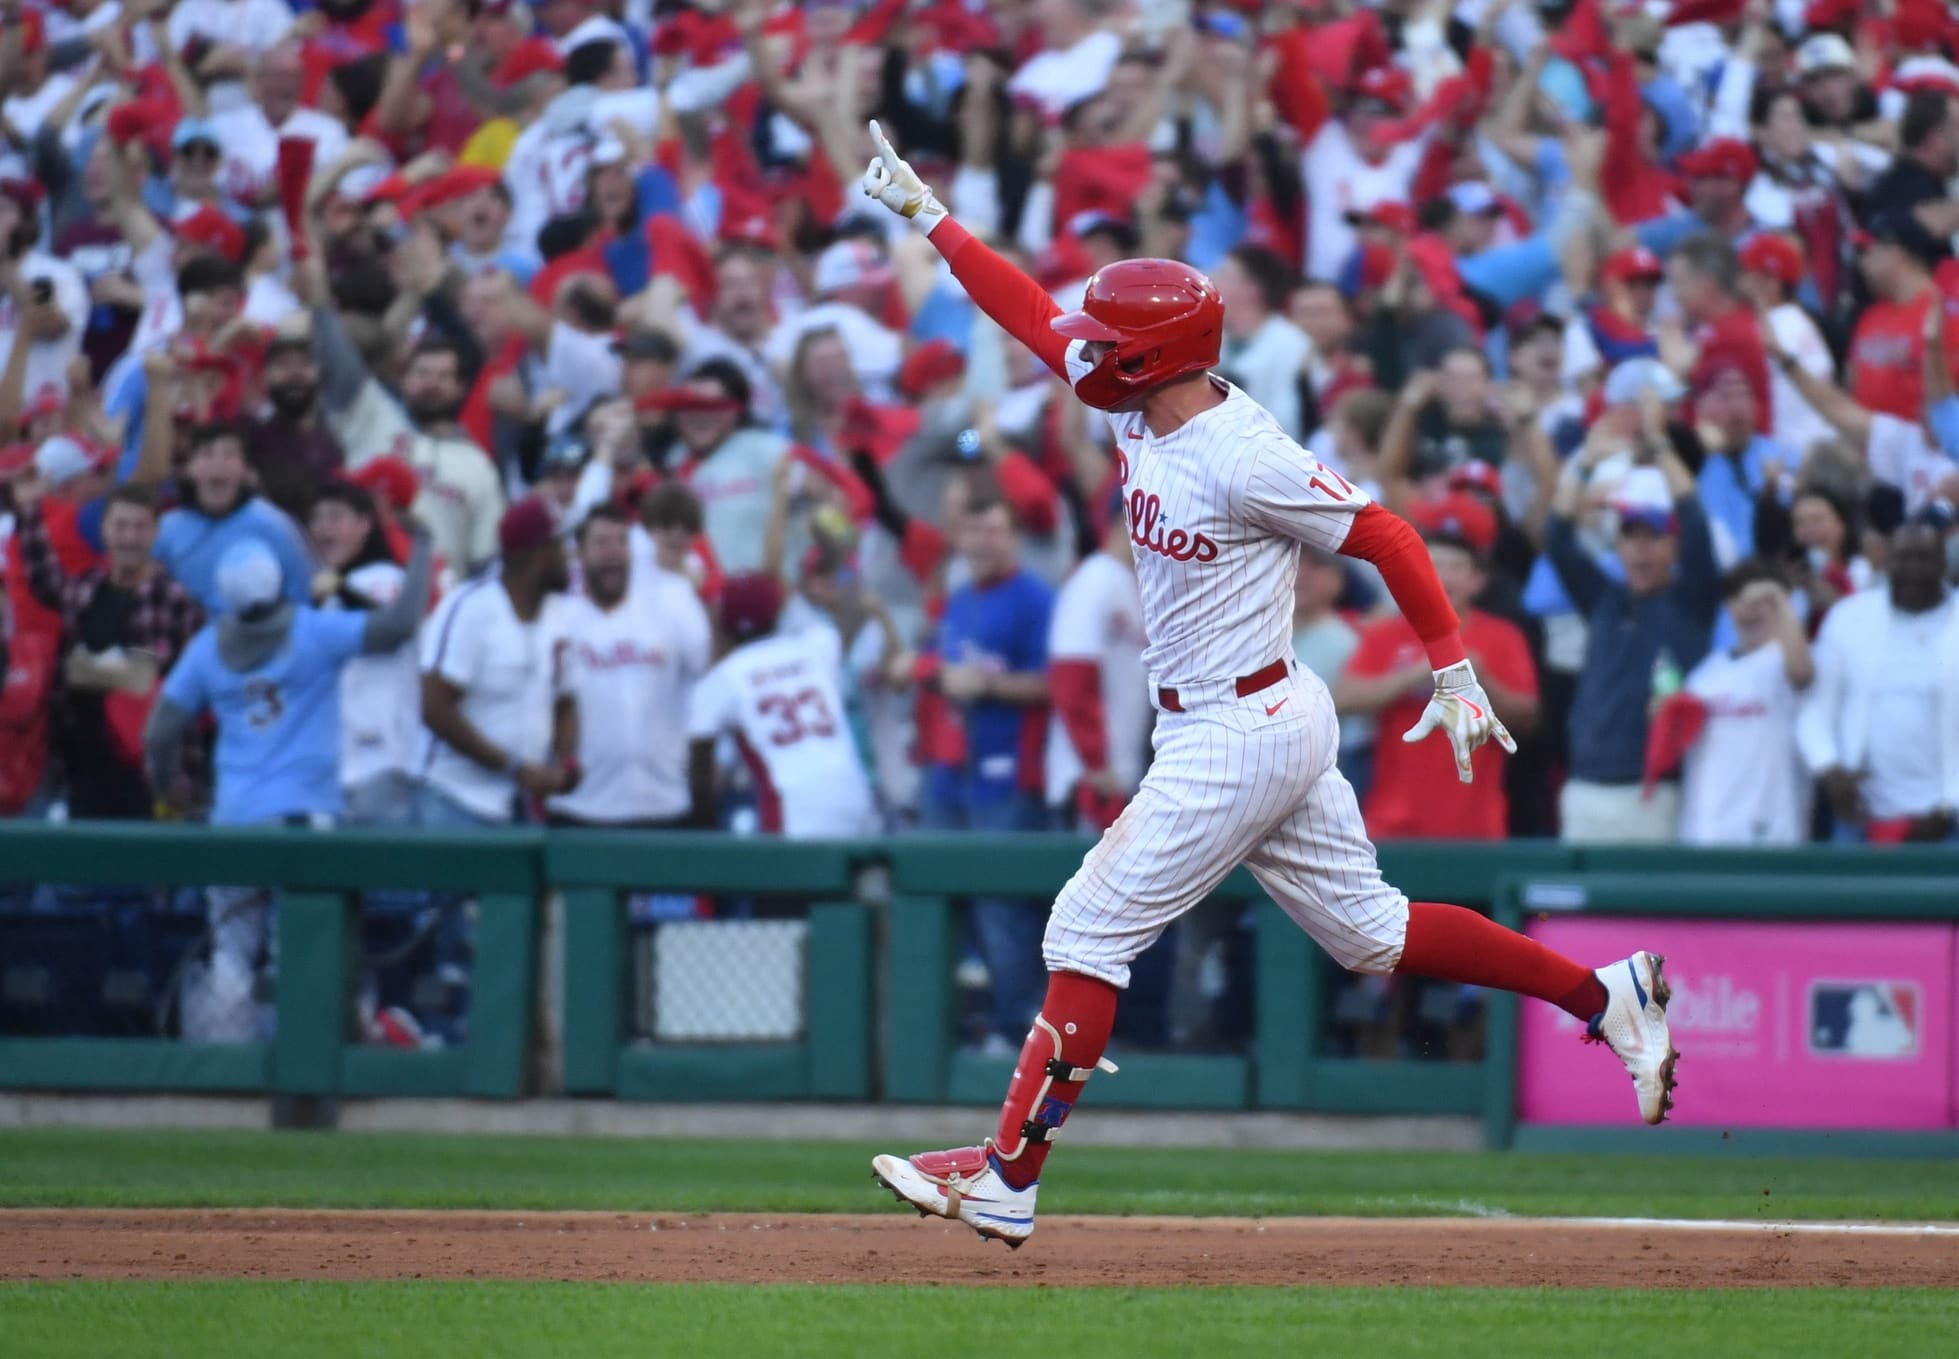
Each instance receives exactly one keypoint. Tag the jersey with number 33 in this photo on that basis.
(781, 697)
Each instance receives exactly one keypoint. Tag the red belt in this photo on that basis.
(1246, 685)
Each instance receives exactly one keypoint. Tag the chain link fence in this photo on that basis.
(711, 972)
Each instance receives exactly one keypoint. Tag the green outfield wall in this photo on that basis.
(877, 981)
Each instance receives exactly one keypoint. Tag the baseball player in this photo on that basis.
(781, 696)
(1219, 501)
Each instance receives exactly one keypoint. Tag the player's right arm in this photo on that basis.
(1016, 302)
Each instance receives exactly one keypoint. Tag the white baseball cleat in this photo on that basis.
(1634, 1025)
(964, 1184)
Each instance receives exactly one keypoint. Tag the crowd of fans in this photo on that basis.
(1640, 313)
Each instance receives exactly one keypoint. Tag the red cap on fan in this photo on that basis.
(931, 363)
(1777, 256)
(389, 480)
(1724, 157)
(1388, 84)
(1633, 264)
(1457, 518)
(211, 228)
(530, 57)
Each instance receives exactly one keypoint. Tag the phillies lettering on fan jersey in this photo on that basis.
(1217, 510)
(782, 699)
(632, 668)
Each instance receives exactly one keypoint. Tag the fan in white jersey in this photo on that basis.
(1219, 501)
(1744, 781)
(636, 648)
(781, 697)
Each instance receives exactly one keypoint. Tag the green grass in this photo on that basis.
(77, 1168)
(415, 1320)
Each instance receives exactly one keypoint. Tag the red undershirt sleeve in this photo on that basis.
(1075, 690)
(1391, 544)
(1019, 304)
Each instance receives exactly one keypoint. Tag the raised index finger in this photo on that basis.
(885, 152)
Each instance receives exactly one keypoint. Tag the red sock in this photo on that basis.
(1081, 1011)
(1450, 943)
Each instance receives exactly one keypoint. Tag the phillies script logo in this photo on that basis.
(1147, 533)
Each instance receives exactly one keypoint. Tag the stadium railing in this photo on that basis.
(871, 947)
(315, 878)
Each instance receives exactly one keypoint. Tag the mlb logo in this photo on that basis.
(1868, 1020)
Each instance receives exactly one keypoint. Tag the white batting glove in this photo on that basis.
(896, 185)
(1462, 710)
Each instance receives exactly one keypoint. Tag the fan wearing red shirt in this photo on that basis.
(1887, 350)
(1413, 795)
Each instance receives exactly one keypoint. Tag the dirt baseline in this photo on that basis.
(889, 1248)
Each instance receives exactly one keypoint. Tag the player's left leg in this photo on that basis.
(1190, 824)
(1320, 868)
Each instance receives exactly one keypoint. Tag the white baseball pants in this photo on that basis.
(1236, 780)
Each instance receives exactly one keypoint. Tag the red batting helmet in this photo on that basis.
(1164, 319)
(749, 605)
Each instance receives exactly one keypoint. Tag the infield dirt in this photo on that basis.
(894, 1248)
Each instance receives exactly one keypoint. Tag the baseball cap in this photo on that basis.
(1724, 157)
(1456, 518)
(753, 227)
(1474, 198)
(528, 524)
(929, 364)
(389, 480)
(1478, 476)
(1387, 85)
(565, 453)
(1777, 256)
(61, 457)
(749, 605)
(1633, 264)
(1822, 52)
(689, 396)
(608, 151)
(195, 130)
(249, 576)
(848, 264)
(1648, 517)
(210, 228)
(1632, 379)
(532, 56)
(458, 181)
(1642, 501)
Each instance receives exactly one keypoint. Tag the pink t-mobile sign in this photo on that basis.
(1779, 1025)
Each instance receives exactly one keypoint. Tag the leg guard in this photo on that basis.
(1043, 1090)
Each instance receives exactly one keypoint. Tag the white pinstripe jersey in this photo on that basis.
(1217, 510)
